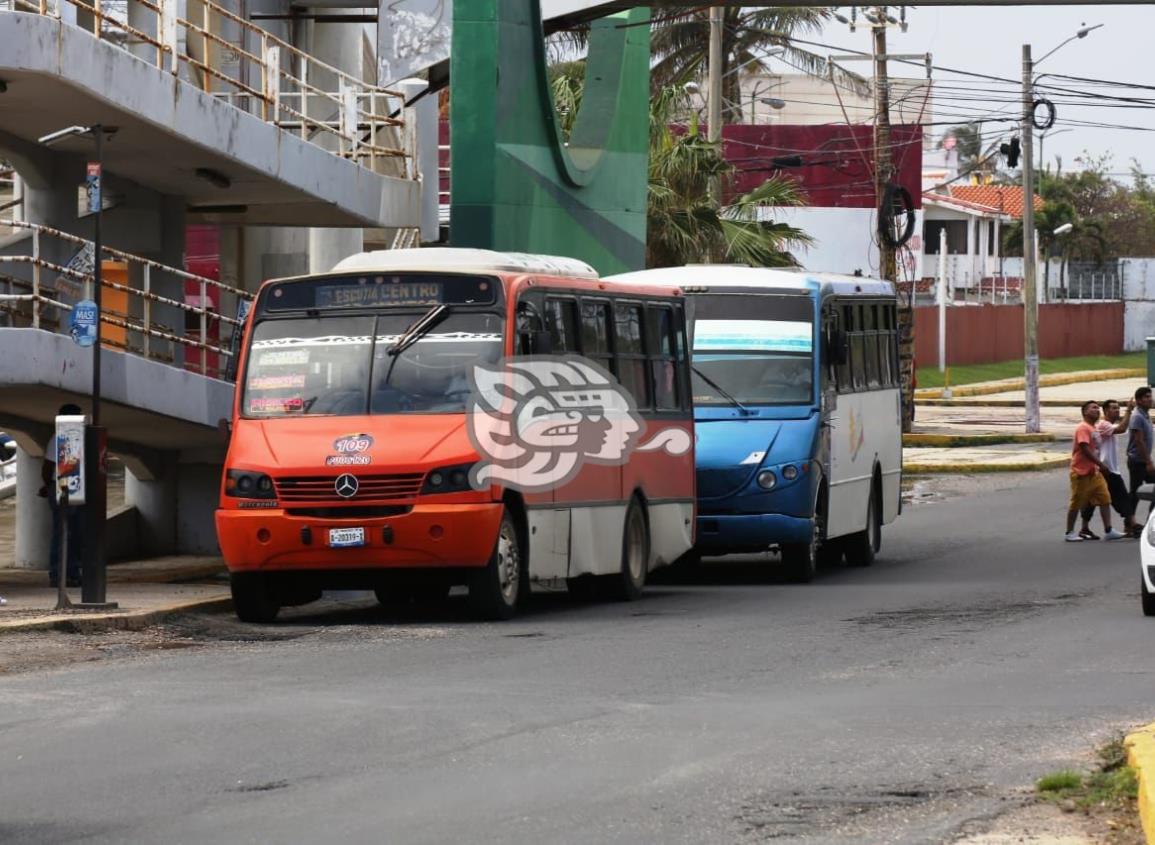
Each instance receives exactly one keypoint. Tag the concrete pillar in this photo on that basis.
(198, 491)
(156, 505)
(33, 516)
(341, 46)
(426, 115)
(142, 19)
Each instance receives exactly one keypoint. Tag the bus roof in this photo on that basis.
(774, 279)
(464, 260)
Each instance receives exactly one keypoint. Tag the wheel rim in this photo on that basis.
(636, 547)
(508, 563)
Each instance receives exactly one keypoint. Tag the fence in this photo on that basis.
(40, 304)
(985, 334)
(273, 79)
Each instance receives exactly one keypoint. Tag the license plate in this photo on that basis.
(345, 537)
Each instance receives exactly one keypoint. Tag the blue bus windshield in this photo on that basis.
(758, 349)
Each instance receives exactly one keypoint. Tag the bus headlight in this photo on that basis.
(249, 485)
(453, 479)
(767, 480)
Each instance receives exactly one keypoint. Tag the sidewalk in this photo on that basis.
(146, 591)
(985, 432)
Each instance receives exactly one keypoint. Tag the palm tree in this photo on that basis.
(680, 48)
(1086, 239)
(684, 225)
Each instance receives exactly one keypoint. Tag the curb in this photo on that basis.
(83, 622)
(979, 402)
(1141, 756)
(976, 467)
(948, 441)
(1051, 380)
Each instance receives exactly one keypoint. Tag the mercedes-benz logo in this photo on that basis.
(346, 485)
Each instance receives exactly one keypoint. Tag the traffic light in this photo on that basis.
(1011, 151)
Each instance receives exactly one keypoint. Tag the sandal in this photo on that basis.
(1088, 534)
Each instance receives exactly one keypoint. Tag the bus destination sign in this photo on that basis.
(375, 296)
(356, 293)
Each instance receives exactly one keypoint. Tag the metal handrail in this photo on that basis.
(362, 107)
(148, 329)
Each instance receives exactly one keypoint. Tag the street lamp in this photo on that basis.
(1030, 266)
(94, 572)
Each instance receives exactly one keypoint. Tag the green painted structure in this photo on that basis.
(515, 186)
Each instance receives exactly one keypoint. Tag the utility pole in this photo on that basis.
(883, 171)
(714, 92)
(1030, 268)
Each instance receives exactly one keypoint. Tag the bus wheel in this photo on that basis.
(631, 580)
(863, 546)
(494, 590)
(1148, 598)
(801, 559)
(253, 599)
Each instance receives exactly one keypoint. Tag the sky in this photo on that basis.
(989, 40)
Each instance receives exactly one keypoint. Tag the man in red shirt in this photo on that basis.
(1088, 486)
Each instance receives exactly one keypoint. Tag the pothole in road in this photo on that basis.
(786, 816)
(975, 616)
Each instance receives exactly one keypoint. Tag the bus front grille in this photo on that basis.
(376, 488)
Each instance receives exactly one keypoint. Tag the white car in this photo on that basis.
(1147, 566)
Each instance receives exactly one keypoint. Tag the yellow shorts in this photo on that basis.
(1088, 490)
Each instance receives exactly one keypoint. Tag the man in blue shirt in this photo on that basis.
(1139, 449)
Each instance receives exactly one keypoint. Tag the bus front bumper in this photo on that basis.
(428, 536)
(733, 533)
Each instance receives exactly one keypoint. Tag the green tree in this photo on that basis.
(683, 225)
(680, 47)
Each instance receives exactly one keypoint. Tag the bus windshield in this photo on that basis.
(753, 349)
(350, 365)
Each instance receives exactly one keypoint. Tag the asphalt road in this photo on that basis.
(892, 704)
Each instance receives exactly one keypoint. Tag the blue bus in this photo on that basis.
(796, 410)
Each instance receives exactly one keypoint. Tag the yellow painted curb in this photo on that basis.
(82, 622)
(1141, 756)
(1052, 380)
(979, 467)
(948, 441)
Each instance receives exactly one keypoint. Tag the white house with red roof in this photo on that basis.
(973, 217)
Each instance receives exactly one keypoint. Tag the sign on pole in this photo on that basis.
(92, 186)
(83, 323)
(69, 445)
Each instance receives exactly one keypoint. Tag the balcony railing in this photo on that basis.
(32, 294)
(255, 71)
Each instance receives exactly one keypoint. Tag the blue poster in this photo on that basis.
(83, 324)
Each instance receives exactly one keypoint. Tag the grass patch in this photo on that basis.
(972, 373)
(1114, 785)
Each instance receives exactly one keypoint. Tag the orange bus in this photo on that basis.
(420, 419)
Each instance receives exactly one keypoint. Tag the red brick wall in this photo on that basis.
(982, 334)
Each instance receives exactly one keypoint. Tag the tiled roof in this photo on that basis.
(1007, 199)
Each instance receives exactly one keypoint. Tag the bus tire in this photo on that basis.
(801, 559)
(630, 581)
(861, 548)
(253, 598)
(1148, 597)
(494, 590)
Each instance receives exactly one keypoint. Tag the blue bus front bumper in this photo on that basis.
(730, 533)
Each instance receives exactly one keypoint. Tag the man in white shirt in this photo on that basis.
(1113, 423)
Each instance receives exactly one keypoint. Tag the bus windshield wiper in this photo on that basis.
(419, 329)
(721, 392)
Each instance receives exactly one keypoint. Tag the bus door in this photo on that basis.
(544, 329)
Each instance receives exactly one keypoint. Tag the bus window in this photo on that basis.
(857, 350)
(595, 331)
(561, 321)
(846, 317)
(660, 345)
(871, 342)
(631, 353)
